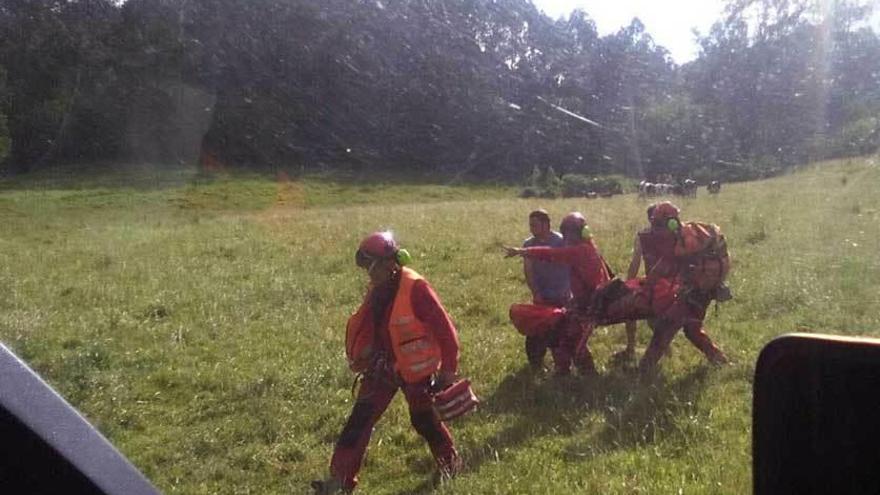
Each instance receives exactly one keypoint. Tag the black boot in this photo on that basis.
(330, 486)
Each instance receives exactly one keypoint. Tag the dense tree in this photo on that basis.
(5, 142)
(58, 71)
(776, 75)
(480, 89)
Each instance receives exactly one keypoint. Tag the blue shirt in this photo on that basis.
(551, 280)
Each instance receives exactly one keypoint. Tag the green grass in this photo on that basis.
(198, 322)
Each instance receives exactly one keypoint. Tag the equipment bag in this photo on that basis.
(455, 400)
(701, 250)
(535, 319)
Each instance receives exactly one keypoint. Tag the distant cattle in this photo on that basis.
(689, 188)
(714, 187)
(651, 189)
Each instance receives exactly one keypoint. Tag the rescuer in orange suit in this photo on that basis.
(401, 338)
(658, 248)
(588, 270)
(629, 353)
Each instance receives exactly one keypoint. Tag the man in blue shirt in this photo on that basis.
(548, 282)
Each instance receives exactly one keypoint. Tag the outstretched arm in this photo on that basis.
(568, 255)
(510, 252)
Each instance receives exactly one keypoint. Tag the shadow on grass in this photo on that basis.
(543, 405)
(636, 413)
(643, 414)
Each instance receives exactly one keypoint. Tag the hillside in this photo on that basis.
(199, 322)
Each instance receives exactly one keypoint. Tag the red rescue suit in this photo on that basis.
(588, 271)
(399, 337)
(688, 311)
(658, 251)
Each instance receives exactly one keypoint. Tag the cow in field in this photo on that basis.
(651, 189)
(714, 187)
(689, 188)
(664, 189)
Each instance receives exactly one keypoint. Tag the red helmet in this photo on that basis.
(664, 211)
(375, 245)
(573, 222)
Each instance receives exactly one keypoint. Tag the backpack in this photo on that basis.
(359, 335)
(701, 251)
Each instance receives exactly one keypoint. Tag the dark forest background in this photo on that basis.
(447, 89)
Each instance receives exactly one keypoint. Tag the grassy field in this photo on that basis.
(199, 322)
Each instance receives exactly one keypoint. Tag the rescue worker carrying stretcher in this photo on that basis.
(694, 255)
(401, 338)
(685, 266)
(548, 282)
(588, 270)
(629, 353)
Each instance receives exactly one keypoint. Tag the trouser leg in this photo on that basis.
(697, 304)
(562, 348)
(424, 420)
(536, 349)
(694, 332)
(373, 398)
(583, 358)
(571, 346)
(664, 332)
(631, 336)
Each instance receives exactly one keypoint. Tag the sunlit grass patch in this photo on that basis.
(200, 325)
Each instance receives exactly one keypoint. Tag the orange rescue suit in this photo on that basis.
(416, 352)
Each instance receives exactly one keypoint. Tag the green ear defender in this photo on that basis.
(403, 257)
(672, 224)
(585, 232)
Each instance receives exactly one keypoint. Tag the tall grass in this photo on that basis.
(199, 323)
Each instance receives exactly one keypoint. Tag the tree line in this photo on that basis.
(451, 89)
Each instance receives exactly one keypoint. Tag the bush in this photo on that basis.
(861, 137)
(543, 185)
(574, 185)
(550, 184)
(528, 192)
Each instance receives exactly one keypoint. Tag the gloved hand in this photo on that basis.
(443, 379)
(510, 252)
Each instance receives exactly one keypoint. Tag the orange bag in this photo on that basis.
(535, 319)
(702, 252)
(359, 335)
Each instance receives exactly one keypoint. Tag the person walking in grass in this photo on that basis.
(629, 352)
(401, 338)
(670, 250)
(587, 271)
(548, 282)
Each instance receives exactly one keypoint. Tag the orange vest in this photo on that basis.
(416, 353)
